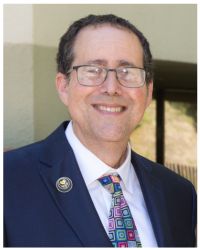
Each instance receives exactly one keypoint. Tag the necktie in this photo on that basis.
(121, 226)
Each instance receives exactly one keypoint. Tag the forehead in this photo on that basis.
(107, 42)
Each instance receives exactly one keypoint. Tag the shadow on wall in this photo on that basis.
(18, 95)
(32, 108)
(49, 111)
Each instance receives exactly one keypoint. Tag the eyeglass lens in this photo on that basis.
(127, 76)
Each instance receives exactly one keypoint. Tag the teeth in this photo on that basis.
(110, 109)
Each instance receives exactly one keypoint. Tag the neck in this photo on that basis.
(111, 153)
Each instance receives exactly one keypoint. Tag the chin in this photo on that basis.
(112, 136)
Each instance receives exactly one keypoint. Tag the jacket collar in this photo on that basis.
(58, 160)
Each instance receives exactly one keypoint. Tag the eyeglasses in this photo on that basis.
(90, 75)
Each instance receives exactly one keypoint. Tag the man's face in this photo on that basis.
(108, 112)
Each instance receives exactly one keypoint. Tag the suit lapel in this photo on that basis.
(76, 206)
(155, 201)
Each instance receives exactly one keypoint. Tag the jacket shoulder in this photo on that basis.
(163, 173)
(33, 150)
(25, 155)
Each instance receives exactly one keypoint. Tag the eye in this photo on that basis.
(123, 72)
(93, 70)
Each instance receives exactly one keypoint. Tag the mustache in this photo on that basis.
(119, 100)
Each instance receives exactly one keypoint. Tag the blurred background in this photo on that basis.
(32, 110)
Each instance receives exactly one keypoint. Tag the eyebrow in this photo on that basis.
(104, 62)
(126, 63)
(97, 61)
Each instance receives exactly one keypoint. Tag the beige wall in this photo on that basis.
(18, 76)
(171, 30)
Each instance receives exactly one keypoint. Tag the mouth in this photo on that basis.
(109, 109)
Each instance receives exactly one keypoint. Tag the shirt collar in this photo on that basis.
(90, 165)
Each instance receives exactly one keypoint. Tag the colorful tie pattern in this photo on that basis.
(121, 226)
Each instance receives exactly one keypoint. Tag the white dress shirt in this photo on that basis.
(92, 168)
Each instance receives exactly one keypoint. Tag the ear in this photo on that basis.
(149, 93)
(62, 87)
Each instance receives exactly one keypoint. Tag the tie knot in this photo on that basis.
(111, 183)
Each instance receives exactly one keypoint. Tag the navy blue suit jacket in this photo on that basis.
(38, 215)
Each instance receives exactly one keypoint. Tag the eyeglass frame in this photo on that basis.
(76, 67)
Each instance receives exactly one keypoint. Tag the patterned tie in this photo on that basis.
(121, 226)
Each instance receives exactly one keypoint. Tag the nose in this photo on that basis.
(111, 85)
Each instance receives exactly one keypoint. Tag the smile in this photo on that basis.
(109, 109)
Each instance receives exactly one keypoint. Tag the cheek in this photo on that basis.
(77, 98)
(139, 102)
(139, 96)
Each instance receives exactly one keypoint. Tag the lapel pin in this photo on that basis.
(64, 184)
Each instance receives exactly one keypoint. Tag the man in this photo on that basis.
(56, 190)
